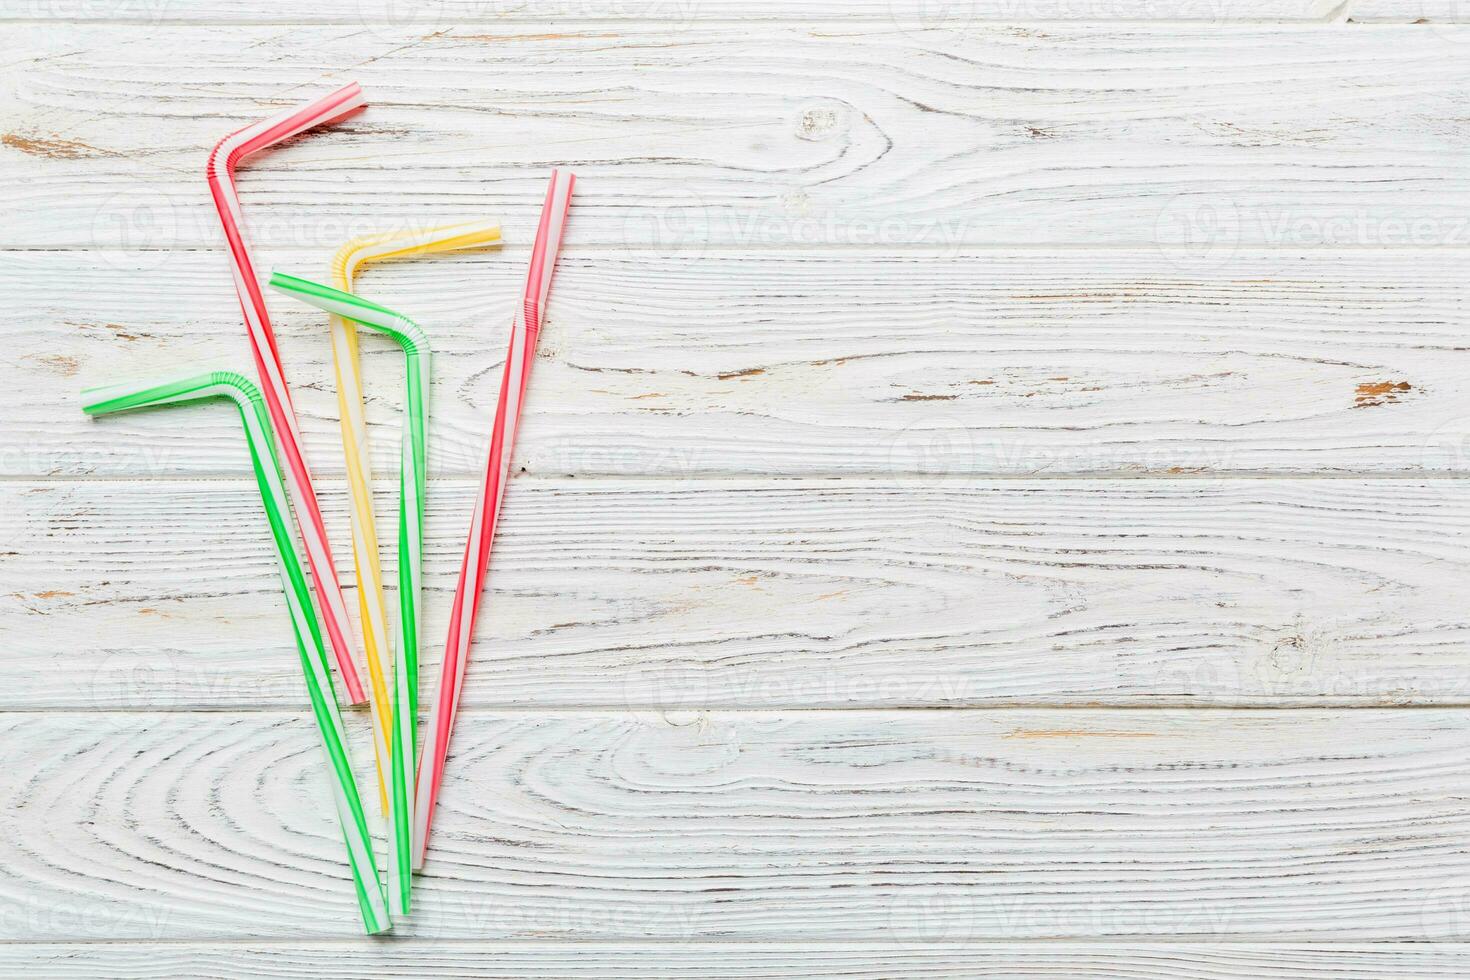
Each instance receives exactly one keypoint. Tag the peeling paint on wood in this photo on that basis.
(1371, 394)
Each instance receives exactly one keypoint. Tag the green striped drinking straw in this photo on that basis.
(410, 553)
(247, 398)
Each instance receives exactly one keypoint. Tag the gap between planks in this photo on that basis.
(886, 478)
(696, 712)
(354, 942)
(824, 247)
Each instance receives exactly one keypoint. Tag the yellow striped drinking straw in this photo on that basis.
(350, 258)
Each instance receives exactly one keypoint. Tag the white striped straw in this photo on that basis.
(521, 354)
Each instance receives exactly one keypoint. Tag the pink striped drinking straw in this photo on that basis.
(221, 170)
(518, 359)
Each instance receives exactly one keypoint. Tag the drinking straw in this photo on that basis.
(221, 172)
(247, 398)
(410, 554)
(374, 611)
(524, 330)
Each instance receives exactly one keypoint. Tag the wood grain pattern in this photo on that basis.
(979, 363)
(676, 595)
(822, 133)
(436, 14)
(738, 961)
(1417, 12)
(890, 826)
(844, 280)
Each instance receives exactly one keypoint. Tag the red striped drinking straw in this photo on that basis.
(221, 171)
(518, 360)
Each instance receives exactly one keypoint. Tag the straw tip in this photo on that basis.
(95, 400)
(350, 99)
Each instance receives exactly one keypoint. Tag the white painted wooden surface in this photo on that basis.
(992, 501)
(434, 13)
(686, 594)
(713, 135)
(913, 826)
(727, 961)
(803, 362)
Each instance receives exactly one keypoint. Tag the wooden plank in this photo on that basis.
(736, 961)
(890, 826)
(971, 364)
(1417, 12)
(674, 13)
(384, 14)
(1203, 137)
(675, 595)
